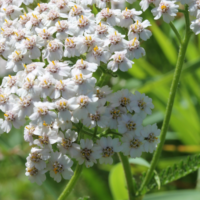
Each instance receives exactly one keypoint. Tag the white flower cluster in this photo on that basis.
(168, 9)
(54, 50)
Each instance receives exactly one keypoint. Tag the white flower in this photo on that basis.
(34, 22)
(10, 84)
(4, 48)
(88, 42)
(64, 125)
(65, 88)
(9, 23)
(45, 34)
(114, 116)
(84, 67)
(54, 50)
(134, 50)
(29, 132)
(97, 119)
(85, 83)
(108, 147)
(52, 127)
(102, 3)
(142, 104)
(102, 94)
(83, 25)
(127, 16)
(60, 165)
(37, 158)
(17, 59)
(108, 15)
(35, 175)
(12, 2)
(42, 113)
(71, 48)
(11, 118)
(32, 70)
(32, 44)
(29, 86)
(130, 124)
(120, 61)
(195, 26)
(115, 42)
(194, 7)
(88, 153)
(11, 11)
(24, 106)
(42, 7)
(150, 134)
(67, 144)
(27, 2)
(53, 16)
(64, 107)
(6, 101)
(97, 55)
(58, 69)
(122, 98)
(132, 145)
(46, 84)
(45, 140)
(166, 8)
(24, 19)
(86, 2)
(103, 30)
(63, 29)
(87, 104)
(77, 11)
(138, 30)
(7, 33)
(63, 5)
(145, 3)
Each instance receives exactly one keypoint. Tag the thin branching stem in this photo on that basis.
(128, 175)
(176, 32)
(71, 183)
(175, 81)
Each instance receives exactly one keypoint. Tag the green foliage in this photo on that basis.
(84, 198)
(175, 195)
(117, 183)
(177, 171)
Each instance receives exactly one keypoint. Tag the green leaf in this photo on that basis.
(175, 195)
(84, 198)
(139, 161)
(177, 171)
(165, 43)
(117, 183)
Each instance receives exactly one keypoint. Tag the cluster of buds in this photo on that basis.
(68, 116)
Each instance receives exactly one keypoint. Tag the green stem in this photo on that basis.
(71, 183)
(101, 79)
(90, 134)
(24, 7)
(4, 58)
(176, 32)
(175, 81)
(128, 175)
(115, 133)
(95, 131)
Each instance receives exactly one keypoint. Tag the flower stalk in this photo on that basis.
(179, 65)
(71, 183)
(128, 175)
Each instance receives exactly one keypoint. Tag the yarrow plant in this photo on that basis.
(69, 116)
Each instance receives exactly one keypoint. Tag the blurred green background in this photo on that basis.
(152, 75)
